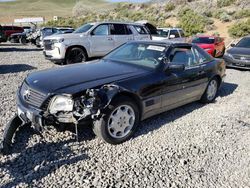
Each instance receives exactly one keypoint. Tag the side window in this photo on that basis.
(118, 29)
(129, 31)
(163, 33)
(140, 29)
(201, 56)
(175, 33)
(182, 33)
(101, 30)
(182, 56)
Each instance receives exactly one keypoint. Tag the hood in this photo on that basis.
(66, 36)
(205, 46)
(72, 79)
(239, 51)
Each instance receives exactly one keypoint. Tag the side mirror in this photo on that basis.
(232, 45)
(175, 67)
(172, 36)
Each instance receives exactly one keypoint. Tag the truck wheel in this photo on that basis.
(211, 91)
(76, 55)
(8, 134)
(119, 121)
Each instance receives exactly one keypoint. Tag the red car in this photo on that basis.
(8, 30)
(213, 45)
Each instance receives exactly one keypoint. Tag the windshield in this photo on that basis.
(203, 40)
(83, 28)
(141, 54)
(244, 43)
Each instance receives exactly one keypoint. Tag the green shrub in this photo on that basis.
(224, 3)
(240, 29)
(242, 14)
(191, 22)
(217, 13)
(169, 7)
(224, 17)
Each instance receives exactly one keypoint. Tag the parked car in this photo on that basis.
(37, 37)
(213, 45)
(134, 82)
(92, 40)
(8, 30)
(170, 33)
(239, 55)
(20, 37)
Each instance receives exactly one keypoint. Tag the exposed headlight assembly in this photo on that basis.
(61, 103)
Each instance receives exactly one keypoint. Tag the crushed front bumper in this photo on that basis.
(27, 113)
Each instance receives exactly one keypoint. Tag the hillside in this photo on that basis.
(45, 8)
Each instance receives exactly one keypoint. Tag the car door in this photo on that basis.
(121, 34)
(101, 42)
(182, 87)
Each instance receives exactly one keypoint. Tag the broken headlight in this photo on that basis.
(61, 103)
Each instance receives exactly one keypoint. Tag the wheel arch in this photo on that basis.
(76, 46)
(133, 97)
(218, 78)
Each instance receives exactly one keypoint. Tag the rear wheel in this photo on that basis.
(119, 121)
(76, 55)
(211, 91)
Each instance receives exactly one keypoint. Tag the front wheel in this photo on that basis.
(76, 55)
(211, 91)
(119, 121)
(8, 134)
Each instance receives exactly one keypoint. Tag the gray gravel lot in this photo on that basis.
(193, 146)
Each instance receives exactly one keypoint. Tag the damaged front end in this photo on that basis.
(62, 109)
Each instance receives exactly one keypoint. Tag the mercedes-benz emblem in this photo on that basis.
(243, 58)
(26, 94)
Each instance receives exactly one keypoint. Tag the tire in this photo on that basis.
(8, 134)
(214, 53)
(76, 55)
(37, 42)
(23, 40)
(211, 91)
(128, 120)
(223, 52)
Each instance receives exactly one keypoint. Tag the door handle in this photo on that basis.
(110, 38)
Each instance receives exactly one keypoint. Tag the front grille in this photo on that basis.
(31, 96)
(241, 57)
(47, 45)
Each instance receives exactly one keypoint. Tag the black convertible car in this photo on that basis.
(132, 83)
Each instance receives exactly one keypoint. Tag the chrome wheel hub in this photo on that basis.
(121, 121)
(212, 90)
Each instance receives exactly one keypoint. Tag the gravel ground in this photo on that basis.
(192, 146)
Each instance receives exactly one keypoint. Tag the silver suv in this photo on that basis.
(92, 40)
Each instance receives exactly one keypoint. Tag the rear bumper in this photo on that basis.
(235, 63)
